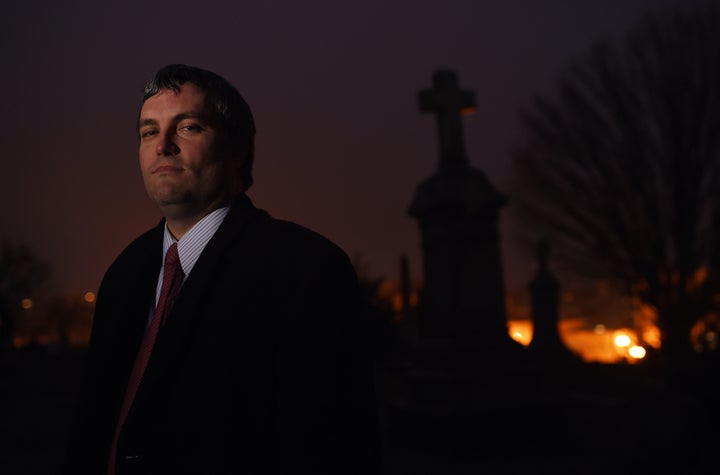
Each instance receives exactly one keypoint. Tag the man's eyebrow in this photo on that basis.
(186, 115)
(191, 115)
(146, 122)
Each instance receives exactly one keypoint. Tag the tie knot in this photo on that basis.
(171, 257)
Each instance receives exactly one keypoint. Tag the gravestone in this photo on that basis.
(546, 344)
(464, 361)
(457, 209)
(466, 371)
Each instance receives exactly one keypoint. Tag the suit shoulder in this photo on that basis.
(141, 245)
(290, 238)
(142, 250)
(291, 233)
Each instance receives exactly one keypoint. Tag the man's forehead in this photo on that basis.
(189, 99)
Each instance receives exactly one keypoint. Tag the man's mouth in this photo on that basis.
(166, 169)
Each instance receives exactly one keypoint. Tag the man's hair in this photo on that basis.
(224, 100)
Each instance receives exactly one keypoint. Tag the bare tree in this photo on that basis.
(621, 169)
(21, 275)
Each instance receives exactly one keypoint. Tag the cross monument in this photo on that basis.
(449, 104)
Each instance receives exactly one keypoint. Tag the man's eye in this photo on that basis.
(190, 128)
(147, 133)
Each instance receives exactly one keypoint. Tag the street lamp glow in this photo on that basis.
(622, 340)
(637, 352)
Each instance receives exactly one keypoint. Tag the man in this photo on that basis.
(260, 363)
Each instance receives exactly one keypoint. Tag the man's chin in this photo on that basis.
(164, 198)
(172, 204)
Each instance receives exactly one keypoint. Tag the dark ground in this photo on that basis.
(37, 390)
(622, 426)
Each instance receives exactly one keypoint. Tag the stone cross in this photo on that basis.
(449, 104)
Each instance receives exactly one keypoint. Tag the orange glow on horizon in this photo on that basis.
(598, 344)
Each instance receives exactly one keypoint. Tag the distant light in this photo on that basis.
(26, 304)
(637, 352)
(599, 329)
(89, 297)
(521, 331)
(651, 336)
(622, 340)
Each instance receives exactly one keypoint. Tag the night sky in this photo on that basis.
(341, 142)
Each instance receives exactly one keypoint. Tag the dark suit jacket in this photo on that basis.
(263, 364)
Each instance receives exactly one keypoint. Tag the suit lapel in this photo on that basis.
(122, 311)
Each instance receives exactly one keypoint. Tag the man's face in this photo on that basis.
(185, 159)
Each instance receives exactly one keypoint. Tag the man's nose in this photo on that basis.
(166, 145)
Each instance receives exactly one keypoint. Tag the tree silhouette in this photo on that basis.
(378, 309)
(21, 275)
(621, 169)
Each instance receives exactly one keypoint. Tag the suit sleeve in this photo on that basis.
(327, 410)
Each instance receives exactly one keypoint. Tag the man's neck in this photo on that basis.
(180, 222)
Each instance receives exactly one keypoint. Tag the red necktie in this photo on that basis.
(172, 278)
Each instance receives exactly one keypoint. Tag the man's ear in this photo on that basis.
(238, 158)
(239, 155)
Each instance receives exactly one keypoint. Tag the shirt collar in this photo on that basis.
(191, 245)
